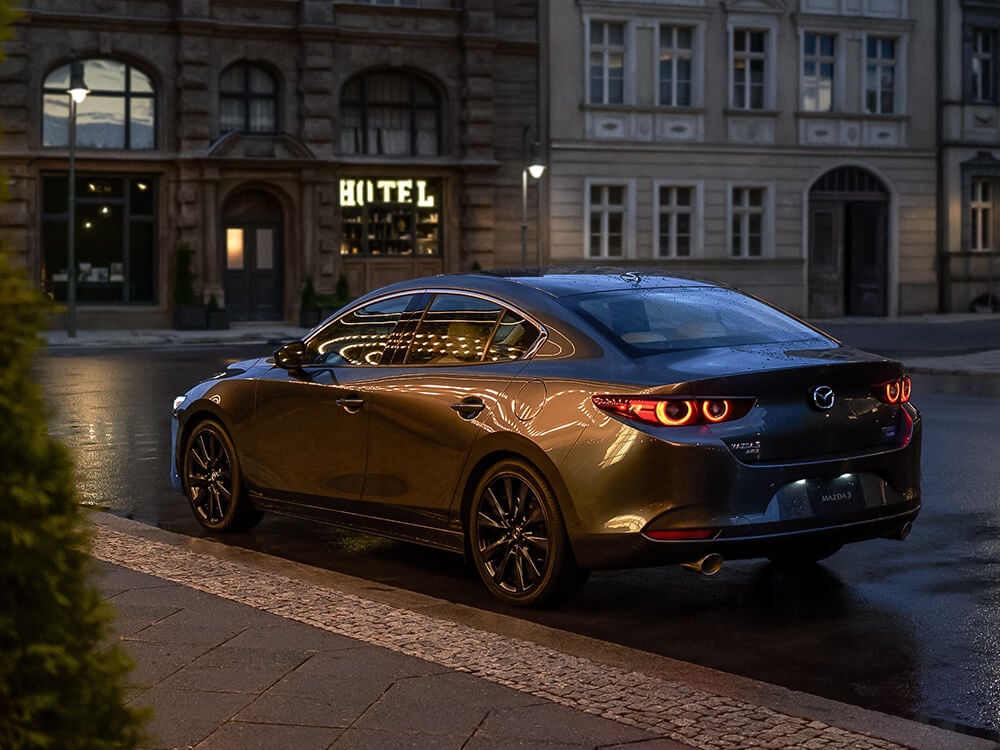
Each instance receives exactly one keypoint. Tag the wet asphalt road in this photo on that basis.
(910, 628)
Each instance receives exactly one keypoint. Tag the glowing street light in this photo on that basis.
(77, 93)
(534, 167)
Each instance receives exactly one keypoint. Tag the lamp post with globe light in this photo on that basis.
(77, 93)
(533, 166)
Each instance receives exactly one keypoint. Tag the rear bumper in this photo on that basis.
(746, 542)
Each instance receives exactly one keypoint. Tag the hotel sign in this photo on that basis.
(356, 193)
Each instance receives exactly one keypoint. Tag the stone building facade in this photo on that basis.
(279, 141)
(788, 147)
(970, 155)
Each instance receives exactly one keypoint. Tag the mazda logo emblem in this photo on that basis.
(823, 397)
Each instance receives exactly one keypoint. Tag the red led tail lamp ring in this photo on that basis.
(676, 413)
(672, 411)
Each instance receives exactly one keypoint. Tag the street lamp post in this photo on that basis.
(532, 165)
(77, 93)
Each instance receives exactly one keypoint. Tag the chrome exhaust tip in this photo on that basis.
(904, 531)
(709, 565)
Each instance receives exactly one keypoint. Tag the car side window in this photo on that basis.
(361, 336)
(513, 338)
(454, 329)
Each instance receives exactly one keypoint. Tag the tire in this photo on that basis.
(517, 537)
(210, 475)
(804, 555)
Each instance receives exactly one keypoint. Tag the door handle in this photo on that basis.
(469, 409)
(351, 405)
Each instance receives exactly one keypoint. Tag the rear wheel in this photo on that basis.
(212, 481)
(518, 538)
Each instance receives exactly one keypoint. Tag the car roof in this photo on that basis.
(556, 282)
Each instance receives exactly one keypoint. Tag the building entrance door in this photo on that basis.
(254, 258)
(848, 245)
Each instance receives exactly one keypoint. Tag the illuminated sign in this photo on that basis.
(354, 193)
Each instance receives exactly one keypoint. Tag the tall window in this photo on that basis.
(607, 63)
(981, 208)
(248, 99)
(818, 62)
(746, 235)
(749, 73)
(983, 65)
(119, 113)
(676, 54)
(115, 237)
(606, 210)
(676, 220)
(880, 75)
(390, 113)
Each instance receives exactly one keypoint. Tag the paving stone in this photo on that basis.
(236, 735)
(240, 670)
(448, 703)
(550, 723)
(183, 718)
(367, 739)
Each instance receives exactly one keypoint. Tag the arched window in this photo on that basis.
(390, 113)
(119, 112)
(248, 99)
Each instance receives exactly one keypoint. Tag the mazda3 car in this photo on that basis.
(550, 423)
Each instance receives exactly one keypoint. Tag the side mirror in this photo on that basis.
(290, 356)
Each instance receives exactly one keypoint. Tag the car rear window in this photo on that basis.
(652, 321)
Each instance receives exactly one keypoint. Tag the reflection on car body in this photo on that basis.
(551, 423)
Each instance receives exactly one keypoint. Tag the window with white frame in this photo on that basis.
(677, 220)
(749, 71)
(676, 66)
(981, 214)
(818, 69)
(983, 65)
(748, 206)
(606, 66)
(880, 74)
(606, 216)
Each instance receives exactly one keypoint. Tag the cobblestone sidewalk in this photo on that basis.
(663, 707)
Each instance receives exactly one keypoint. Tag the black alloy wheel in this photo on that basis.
(212, 481)
(518, 540)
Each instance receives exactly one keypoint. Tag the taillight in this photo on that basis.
(895, 391)
(672, 411)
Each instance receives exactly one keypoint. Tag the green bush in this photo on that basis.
(60, 688)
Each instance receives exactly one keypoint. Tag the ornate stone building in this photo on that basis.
(788, 147)
(279, 140)
(970, 155)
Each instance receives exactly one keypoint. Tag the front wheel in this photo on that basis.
(212, 482)
(517, 537)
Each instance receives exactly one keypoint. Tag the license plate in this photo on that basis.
(835, 496)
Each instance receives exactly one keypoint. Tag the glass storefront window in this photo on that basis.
(390, 217)
(115, 238)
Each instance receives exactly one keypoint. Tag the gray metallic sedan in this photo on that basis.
(546, 424)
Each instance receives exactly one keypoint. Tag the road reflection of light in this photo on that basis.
(104, 436)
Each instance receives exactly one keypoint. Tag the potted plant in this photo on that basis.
(309, 313)
(188, 314)
(218, 318)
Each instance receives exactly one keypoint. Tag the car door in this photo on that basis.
(311, 422)
(442, 390)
